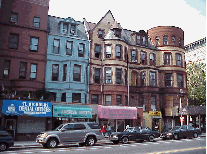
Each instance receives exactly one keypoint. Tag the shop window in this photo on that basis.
(143, 58)
(168, 80)
(165, 40)
(134, 56)
(36, 22)
(180, 80)
(152, 79)
(69, 47)
(143, 78)
(138, 40)
(14, 17)
(76, 97)
(97, 75)
(65, 28)
(81, 50)
(6, 69)
(167, 57)
(118, 51)
(108, 51)
(97, 50)
(23, 70)
(153, 103)
(108, 99)
(152, 59)
(73, 29)
(13, 41)
(118, 75)
(33, 71)
(157, 40)
(94, 99)
(34, 44)
(178, 59)
(107, 75)
(55, 72)
(77, 73)
(118, 100)
(63, 98)
(64, 72)
(56, 46)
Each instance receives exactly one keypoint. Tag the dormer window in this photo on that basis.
(72, 29)
(157, 40)
(117, 32)
(143, 40)
(138, 39)
(65, 28)
(100, 33)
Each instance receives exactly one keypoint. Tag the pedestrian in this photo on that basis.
(109, 129)
(104, 129)
(156, 127)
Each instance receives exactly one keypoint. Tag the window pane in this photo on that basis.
(98, 48)
(76, 97)
(56, 43)
(94, 99)
(118, 51)
(108, 75)
(73, 29)
(108, 99)
(13, 41)
(69, 48)
(77, 73)
(36, 22)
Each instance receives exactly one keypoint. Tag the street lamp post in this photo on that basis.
(181, 110)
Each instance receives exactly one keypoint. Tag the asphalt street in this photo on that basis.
(183, 146)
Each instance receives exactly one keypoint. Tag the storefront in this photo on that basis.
(63, 113)
(25, 119)
(117, 116)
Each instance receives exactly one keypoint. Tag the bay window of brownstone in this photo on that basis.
(76, 97)
(118, 51)
(34, 44)
(97, 50)
(6, 69)
(22, 70)
(118, 99)
(13, 41)
(94, 99)
(56, 46)
(118, 75)
(64, 72)
(97, 75)
(108, 99)
(152, 79)
(133, 56)
(138, 40)
(33, 71)
(180, 80)
(178, 59)
(107, 75)
(165, 40)
(152, 59)
(81, 50)
(77, 73)
(69, 47)
(55, 72)
(108, 51)
(167, 58)
(168, 80)
(143, 79)
(143, 58)
(153, 103)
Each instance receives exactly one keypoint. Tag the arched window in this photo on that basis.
(165, 40)
(157, 40)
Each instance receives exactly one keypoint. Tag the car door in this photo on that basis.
(183, 131)
(191, 131)
(79, 132)
(66, 133)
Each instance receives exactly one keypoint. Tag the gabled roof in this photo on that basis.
(116, 25)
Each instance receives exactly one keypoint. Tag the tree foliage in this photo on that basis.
(196, 83)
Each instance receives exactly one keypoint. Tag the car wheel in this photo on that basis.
(115, 142)
(195, 135)
(90, 141)
(52, 143)
(125, 140)
(175, 136)
(3, 146)
(151, 138)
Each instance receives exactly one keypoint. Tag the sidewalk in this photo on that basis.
(25, 144)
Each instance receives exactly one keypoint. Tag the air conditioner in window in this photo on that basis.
(64, 31)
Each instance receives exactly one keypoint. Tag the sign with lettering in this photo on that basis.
(71, 112)
(155, 113)
(32, 108)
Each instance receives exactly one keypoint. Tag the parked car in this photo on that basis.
(81, 132)
(131, 134)
(155, 133)
(6, 140)
(185, 131)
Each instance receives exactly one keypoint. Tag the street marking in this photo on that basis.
(107, 147)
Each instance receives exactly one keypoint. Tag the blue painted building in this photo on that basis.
(67, 60)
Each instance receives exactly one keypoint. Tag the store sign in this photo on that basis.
(32, 108)
(155, 113)
(111, 112)
(71, 112)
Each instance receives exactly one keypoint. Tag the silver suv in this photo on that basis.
(69, 133)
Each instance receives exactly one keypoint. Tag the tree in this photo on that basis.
(196, 83)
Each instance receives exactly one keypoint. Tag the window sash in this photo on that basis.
(33, 71)
(77, 73)
(134, 58)
(180, 80)
(34, 44)
(118, 76)
(138, 39)
(81, 50)
(118, 99)
(36, 22)
(118, 51)
(94, 99)
(65, 28)
(167, 58)
(55, 72)
(6, 68)
(168, 80)
(56, 46)
(108, 99)
(152, 56)
(153, 103)
(14, 17)
(97, 48)
(22, 70)
(178, 59)
(64, 72)
(108, 75)
(152, 79)
(73, 29)
(142, 78)
(69, 47)
(143, 40)
(97, 75)
(108, 51)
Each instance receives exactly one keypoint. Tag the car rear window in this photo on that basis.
(94, 126)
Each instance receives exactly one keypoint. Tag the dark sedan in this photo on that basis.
(131, 134)
(6, 140)
(155, 133)
(185, 131)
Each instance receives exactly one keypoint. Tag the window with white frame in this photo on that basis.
(108, 99)
(107, 75)
(134, 56)
(108, 51)
(56, 46)
(81, 50)
(33, 71)
(34, 44)
(153, 103)
(152, 79)
(69, 47)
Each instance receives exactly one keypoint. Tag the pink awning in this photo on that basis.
(117, 112)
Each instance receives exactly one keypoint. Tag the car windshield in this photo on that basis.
(59, 127)
(175, 128)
